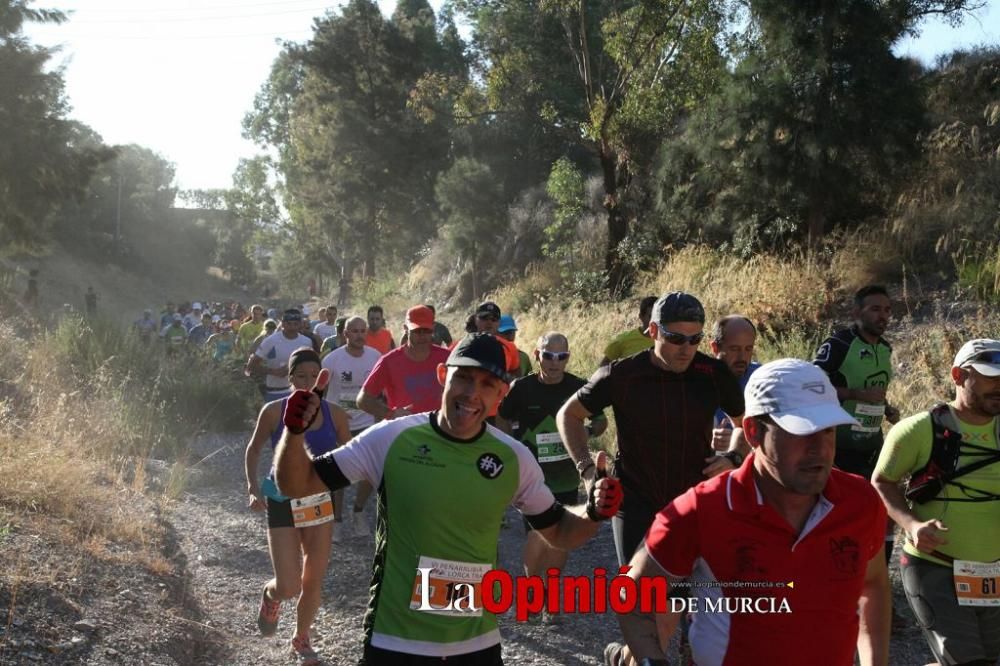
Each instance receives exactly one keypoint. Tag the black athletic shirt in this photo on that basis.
(664, 420)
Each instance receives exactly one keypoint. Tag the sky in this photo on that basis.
(177, 76)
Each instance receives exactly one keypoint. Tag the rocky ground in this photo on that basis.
(202, 608)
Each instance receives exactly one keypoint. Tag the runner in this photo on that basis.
(633, 340)
(507, 329)
(378, 336)
(444, 480)
(270, 326)
(193, 318)
(338, 339)
(487, 320)
(221, 344)
(273, 353)
(408, 375)
(529, 414)
(442, 336)
(328, 325)
(664, 400)
(858, 361)
(733, 339)
(951, 521)
(350, 366)
(250, 329)
(784, 517)
(146, 326)
(299, 534)
(200, 334)
(175, 335)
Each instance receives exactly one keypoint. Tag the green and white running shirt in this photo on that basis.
(440, 504)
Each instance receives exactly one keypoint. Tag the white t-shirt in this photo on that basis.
(275, 350)
(324, 330)
(347, 374)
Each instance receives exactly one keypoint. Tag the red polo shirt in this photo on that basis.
(721, 532)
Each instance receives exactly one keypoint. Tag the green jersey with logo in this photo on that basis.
(853, 363)
(440, 505)
(531, 407)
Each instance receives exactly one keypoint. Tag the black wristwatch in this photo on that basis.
(734, 457)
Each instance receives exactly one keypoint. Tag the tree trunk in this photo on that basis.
(368, 242)
(619, 273)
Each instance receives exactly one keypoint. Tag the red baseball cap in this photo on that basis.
(419, 316)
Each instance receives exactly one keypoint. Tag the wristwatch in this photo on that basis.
(734, 457)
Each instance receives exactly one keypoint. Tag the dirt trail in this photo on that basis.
(225, 550)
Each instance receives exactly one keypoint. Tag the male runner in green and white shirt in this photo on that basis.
(444, 479)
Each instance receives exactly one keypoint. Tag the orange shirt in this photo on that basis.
(380, 340)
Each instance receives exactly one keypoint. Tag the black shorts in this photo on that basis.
(279, 514)
(374, 656)
(629, 527)
(566, 498)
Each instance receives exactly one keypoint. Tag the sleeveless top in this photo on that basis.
(317, 441)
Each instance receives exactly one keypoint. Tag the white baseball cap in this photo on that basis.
(797, 395)
(982, 354)
(196, 306)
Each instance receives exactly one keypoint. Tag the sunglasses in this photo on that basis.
(554, 356)
(680, 338)
(487, 317)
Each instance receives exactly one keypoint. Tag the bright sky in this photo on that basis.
(177, 76)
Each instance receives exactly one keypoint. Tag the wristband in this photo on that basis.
(584, 466)
(734, 457)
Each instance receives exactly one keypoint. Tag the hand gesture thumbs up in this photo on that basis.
(302, 406)
(605, 494)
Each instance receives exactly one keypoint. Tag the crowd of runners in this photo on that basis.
(745, 486)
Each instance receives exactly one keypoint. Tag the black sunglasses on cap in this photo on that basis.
(990, 357)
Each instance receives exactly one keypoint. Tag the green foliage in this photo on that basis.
(161, 402)
(566, 187)
(44, 160)
(947, 214)
(814, 128)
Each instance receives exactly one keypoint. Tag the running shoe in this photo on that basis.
(267, 617)
(339, 531)
(613, 654)
(359, 524)
(304, 652)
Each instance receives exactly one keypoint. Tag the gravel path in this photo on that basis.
(226, 553)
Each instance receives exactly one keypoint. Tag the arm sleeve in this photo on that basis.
(672, 539)
(907, 447)
(595, 395)
(829, 357)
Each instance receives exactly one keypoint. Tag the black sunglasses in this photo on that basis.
(487, 317)
(991, 357)
(554, 356)
(679, 338)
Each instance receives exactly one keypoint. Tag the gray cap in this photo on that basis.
(677, 306)
(982, 354)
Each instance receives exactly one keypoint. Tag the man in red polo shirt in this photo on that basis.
(406, 376)
(783, 556)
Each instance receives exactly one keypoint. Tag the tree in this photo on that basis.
(41, 162)
(470, 198)
(606, 76)
(813, 129)
(357, 163)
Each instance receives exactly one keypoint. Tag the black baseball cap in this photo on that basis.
(480, 350)
(677, 306)
(490, 308)
(292, 314)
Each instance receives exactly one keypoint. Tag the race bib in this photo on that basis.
(348, 399)
(869, 417)
(550, 447)
(449, 587)
(312, 510)
(977, 583)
